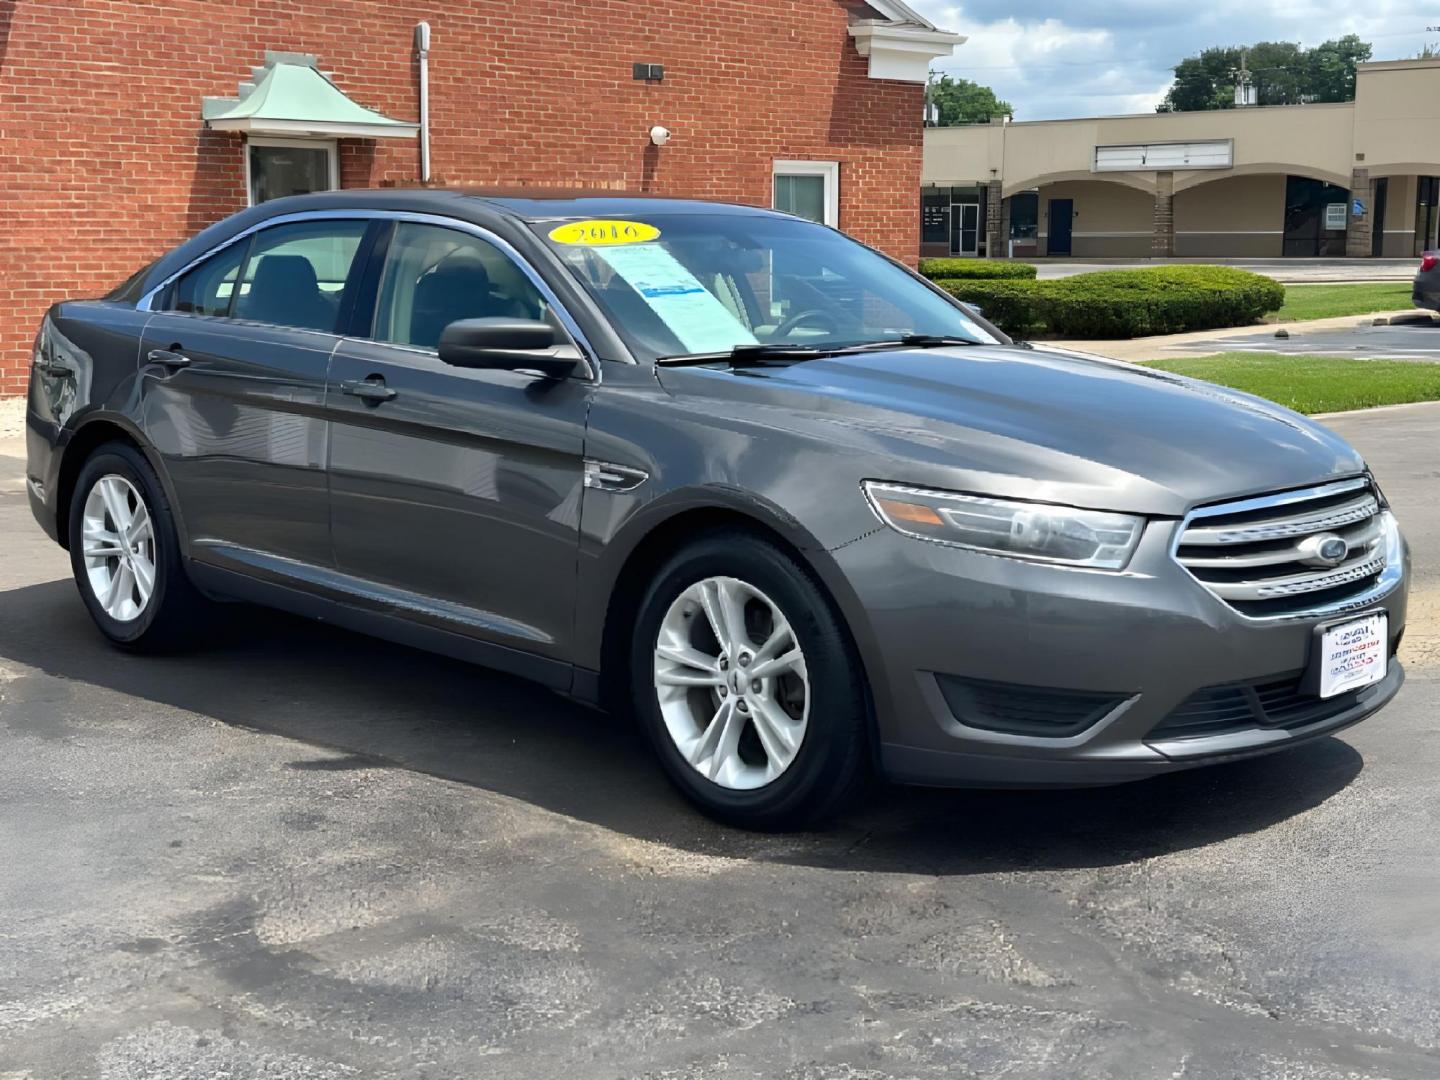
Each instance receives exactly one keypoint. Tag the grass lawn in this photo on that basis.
(1325, 301)
(1314, 384)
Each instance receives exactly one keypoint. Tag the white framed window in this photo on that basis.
(275, 168)
(809, 189)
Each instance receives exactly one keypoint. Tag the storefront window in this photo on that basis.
(935, 215)
(1427, 203)
(1025, 217)
(279, 168)
(1312, 225)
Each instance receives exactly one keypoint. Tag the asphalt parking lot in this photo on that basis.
(1417, 338)
(299, 853)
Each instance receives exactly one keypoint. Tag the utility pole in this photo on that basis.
(1244, 92)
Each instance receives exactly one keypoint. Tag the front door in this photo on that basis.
(233, 384)
(1061, 217)
(965, 239)
(456, 492)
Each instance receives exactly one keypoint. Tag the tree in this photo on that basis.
(961, 101)
(1281, 72)
(1332, 68)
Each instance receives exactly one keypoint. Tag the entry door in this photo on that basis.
(233, 386)
(457, 490)
(1381, 197)
(1061, 217)
(965, 240)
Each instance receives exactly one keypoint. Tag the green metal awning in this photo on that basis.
(291, 96)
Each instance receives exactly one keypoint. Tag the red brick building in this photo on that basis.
(110, 152)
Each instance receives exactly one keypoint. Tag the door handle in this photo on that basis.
(168, 358)
(371, 389)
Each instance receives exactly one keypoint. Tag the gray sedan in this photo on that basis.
(797, 511)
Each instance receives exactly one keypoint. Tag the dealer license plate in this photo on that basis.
(1353, 655)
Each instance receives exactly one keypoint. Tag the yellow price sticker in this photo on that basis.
(604, 233)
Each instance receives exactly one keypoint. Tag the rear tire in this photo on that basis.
(125, 553)
(748, 685)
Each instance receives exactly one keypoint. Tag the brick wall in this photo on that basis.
(104, 163)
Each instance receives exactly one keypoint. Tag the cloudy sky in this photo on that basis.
(1063, 58)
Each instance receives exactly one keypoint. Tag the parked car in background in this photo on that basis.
(794, 508)
(1427, 282)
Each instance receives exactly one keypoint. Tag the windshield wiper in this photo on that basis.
(756, 355)
(933, 341)
(752, 355)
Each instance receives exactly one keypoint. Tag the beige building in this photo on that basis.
(1360, 179)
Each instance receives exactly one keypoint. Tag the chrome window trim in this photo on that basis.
(504, 246)
(1390, 577)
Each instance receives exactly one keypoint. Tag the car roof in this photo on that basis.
(523, 206)
(527, 204)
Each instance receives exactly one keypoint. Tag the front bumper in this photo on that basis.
(1147, 639)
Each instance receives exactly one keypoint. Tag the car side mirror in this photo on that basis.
(507, 344)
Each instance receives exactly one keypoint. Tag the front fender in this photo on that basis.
(607, 561)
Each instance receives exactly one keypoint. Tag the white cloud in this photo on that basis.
(1114, 56)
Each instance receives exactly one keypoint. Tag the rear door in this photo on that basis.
(234, 366)
(456, 492)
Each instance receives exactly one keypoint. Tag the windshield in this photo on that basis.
(687, 285)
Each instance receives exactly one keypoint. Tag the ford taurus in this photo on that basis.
(802, 514)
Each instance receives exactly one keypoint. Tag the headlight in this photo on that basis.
(1019, 530)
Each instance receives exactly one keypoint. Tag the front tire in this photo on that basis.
(125, 553)
(748, 685)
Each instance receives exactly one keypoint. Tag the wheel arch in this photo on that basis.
(644, 546)
(91, 433)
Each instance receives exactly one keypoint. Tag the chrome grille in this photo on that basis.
(1262, 556)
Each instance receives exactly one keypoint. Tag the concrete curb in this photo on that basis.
(1405, 405)
(1154, 348)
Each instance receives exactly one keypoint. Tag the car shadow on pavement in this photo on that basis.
(379, 705)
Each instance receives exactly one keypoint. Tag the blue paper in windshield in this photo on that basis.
(690, 311)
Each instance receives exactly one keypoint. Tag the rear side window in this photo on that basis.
(207, 289)
(295, 275)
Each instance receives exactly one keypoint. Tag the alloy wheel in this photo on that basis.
(118, 546)
(732, 683)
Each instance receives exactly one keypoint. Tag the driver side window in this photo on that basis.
(435, 276)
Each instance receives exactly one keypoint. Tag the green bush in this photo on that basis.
(975, 270)
(1013, 306)
(1124, 303)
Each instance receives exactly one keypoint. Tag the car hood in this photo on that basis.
(1034, 423)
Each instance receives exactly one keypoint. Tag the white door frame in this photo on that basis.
(962, 209)
(328, 145)
(829, 170)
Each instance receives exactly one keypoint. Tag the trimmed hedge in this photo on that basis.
(975, 270)
(1124, 303)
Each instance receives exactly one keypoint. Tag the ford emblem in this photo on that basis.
(1324, 549)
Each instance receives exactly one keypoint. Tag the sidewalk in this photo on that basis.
(1286, 271)
(1155, 348)
(12, 427)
